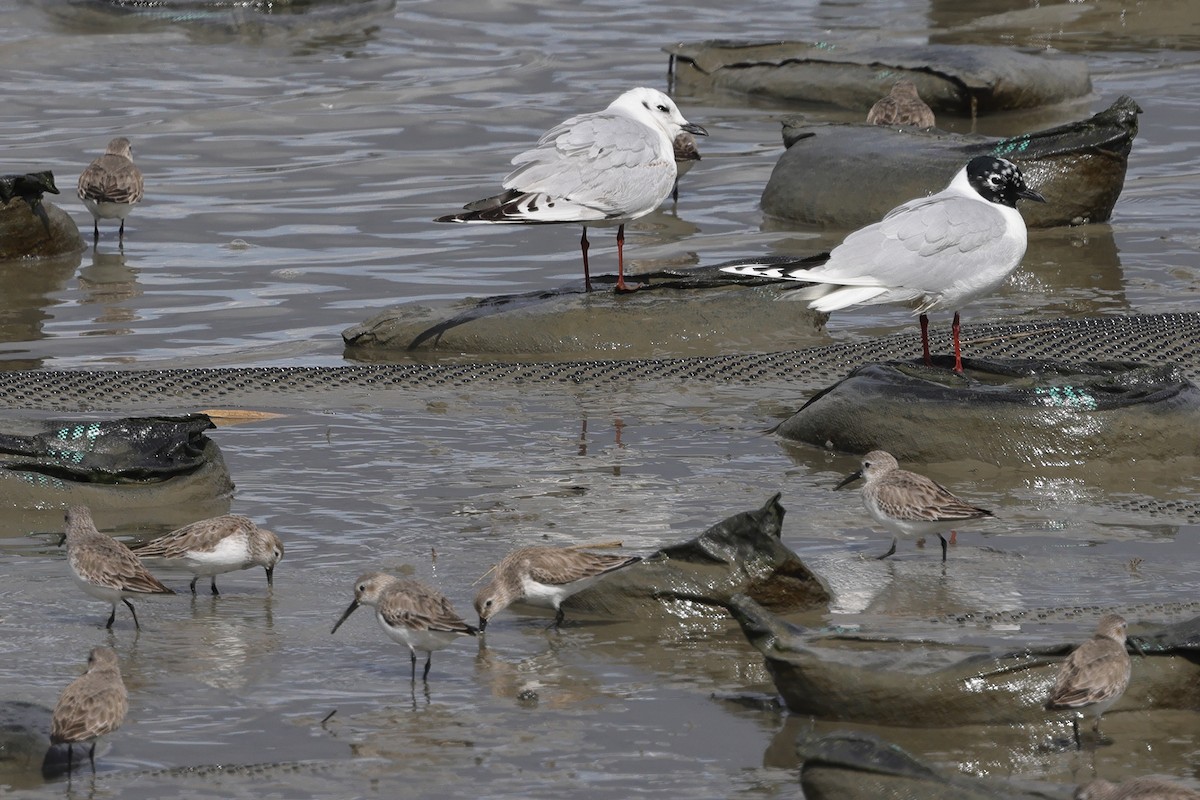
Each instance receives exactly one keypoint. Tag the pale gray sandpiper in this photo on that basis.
(105, 568)
(411, 612)
(908, 504)
(545, 577)
(1095, 675)
(111, 185)
(605, 168)
(687, 153)
(1146, 788)
(93, 705)
(902, 106)
(213, 546)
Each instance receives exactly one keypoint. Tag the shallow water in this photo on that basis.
(293, 165)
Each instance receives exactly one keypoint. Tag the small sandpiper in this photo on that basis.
(411, 612)
(545, 577)
(687, 154)
(105, 568)
(1095, 675)
(91, 706)
(213, 546)
(902, 107)
(111, 185)
(908, 504)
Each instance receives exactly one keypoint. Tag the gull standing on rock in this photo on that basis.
(1095, 675)
(906, 503)
(941, 251)
(902, 107)
(111, 185)
(92, 705)
(411, 613)
(105, 568)
(605, 168)
(545, 577)
(217, 545)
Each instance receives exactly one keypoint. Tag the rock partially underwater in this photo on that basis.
(125, 465)
(1014, 412)
(962, 79)
(847, 176)
(30, 226)
(249, 19)
(24, 742)
(858, 766)
(743, 554)
(688, 311)
(985, 689)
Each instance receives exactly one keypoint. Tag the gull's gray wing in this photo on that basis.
(924, 245)
(604, 161)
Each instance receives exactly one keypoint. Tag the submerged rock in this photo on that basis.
(127, 465)
(850, 175)
(859, 766)
(688, 311)
(962, 79)
(984, 689)
(743, 554)
(30, 227)
(1020, 412)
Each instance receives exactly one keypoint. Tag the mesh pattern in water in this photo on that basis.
(1151, 339)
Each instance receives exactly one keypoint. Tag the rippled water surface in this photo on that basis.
(294, 161)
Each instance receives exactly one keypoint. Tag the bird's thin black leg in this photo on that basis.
(587, 275)
(925, 339)
(957, 350)
(131, 611)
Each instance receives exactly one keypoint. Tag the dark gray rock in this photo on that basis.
(1005, 412)
(963, 79)
(847, 176)
(743, 554)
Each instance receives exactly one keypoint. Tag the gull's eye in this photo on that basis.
(663, 109)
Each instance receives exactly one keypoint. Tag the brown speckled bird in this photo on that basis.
(1095, 675)
(111, 185)
(105, 568)
(92, 705)
(544, 576)
(902, 107)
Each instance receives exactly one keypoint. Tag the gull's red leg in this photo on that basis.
(621, 258)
